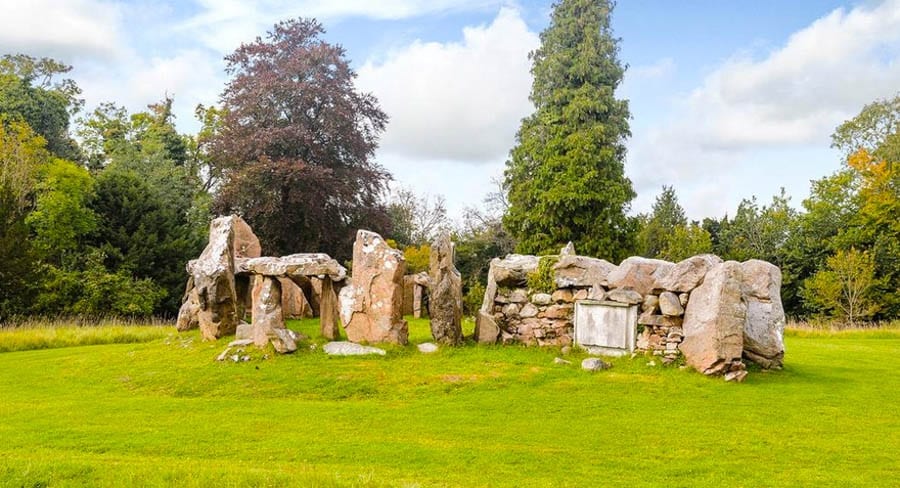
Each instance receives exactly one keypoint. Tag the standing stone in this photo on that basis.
(486, 329)
(213, 276)
(371, 305)
(764, 328)
(268, 318)
(417, 301)
(670, 305)
(328, 310)
(445, 305)
(246, 244)
(188, 314)
(639, 274)
(714, 321)
(293, 300)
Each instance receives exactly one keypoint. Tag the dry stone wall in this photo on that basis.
(715, 314)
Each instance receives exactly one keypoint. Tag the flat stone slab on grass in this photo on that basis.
(344, 348)
(427, 347)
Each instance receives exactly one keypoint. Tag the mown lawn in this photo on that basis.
(164, 413)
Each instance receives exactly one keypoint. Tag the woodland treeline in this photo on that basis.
(100, 208)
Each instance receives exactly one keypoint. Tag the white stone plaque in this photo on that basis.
(606, 328)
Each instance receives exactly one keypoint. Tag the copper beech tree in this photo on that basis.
(296, 141)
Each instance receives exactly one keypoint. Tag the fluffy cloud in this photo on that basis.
(792, 97)
(224, 24)
(189, 76)
(61, 28)
(461, 101)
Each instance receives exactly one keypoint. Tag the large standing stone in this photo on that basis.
(213, 276)
(246, 244)
(268, 319)
(714, 321)
(687, 274)
(486, 329)
(445, 299)
(328, 308)
(764, 327)
(371, 305)
(639, 274)
(293, 301)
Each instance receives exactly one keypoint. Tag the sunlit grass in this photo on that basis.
(165, 413)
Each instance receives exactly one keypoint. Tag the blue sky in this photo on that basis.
(729, 99)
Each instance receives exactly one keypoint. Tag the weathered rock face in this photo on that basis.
(268, 319)
(638, 274)
(581, 271)
(246, 244)
(513, 270)
(294, 266)
(625, 295)
(714, 322)
(670, 305)
(688, 274)
(188, 314)
(328, 306)
(213, 276)
(293, 301)
(764, 327)
(445, 306)
(486, 329)
(371, 305)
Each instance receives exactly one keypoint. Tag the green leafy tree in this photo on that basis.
(844, 287)
(22, 153)
(139, 232)
(686, 241)
(30, 92)
(658, 227)
(61, 219)
(566, 176)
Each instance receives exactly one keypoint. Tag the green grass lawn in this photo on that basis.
(160, 411)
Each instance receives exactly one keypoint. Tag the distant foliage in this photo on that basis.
(418, 258)
(844, 288)
(542, 279)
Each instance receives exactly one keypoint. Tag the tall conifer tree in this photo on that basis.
(566, 175)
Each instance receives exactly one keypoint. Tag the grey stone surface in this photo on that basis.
(624, 295)
(594, 364)
(445, 299)
(344, 348)
(764, 327)
(541, 299)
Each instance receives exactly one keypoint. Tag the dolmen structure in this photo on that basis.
(231, 281)
(711, 313)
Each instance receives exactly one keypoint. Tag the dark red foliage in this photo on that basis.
(297, 142)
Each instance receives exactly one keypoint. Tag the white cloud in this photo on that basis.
(189, 76)
(61, 28)
(660, 69)
(224, 24)
(791, 98)
(459, 100)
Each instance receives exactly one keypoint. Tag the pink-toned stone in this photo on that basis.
(714, 321)
(638, 274)
(371, 305)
